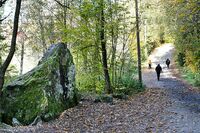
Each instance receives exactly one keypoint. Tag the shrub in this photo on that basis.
(181, 59)
(127, 85)
(151, 45)
(191, 77)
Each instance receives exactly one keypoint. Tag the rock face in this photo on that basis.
(45, 91)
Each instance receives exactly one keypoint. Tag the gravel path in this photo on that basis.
(184, 112)
(168, 106)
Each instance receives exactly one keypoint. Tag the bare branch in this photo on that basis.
(2, 2)
(2, 19)
(62, 5)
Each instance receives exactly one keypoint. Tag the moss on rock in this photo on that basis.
(45, 91)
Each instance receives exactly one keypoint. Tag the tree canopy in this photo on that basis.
(102, 35)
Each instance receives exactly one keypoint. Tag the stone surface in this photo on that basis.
(45, 91)
(15, 122)
(37, 121)
(104, 98)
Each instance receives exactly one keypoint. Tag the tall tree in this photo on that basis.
(6, 63)
(103, 48)
(138, 42)
(22, 36)
(1, 38)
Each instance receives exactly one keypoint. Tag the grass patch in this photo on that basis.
(129, 86)
(191, 77)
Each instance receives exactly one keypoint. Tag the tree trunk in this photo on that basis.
(145, 37)
(5, 65)
(112, 42)
(22, 57)
(85, 60)
(41, 23)
(123, 57)
(65, 13)
(103, 48)
(138, 42)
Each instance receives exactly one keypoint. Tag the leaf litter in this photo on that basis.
(141, 113)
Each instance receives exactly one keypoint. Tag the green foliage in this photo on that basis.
(87, 82)
(128, 86)
(79, 27)
(11, 73)
(182, 17)
(87, 50)
(12, 70)
(181, 59)
(151, 45)
(191, 77)
(2, 45)
(162, 36)
(153, 23)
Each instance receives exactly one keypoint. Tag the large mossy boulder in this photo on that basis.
(45, 91)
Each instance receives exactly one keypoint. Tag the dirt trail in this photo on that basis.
(184, 112)
(159, 56)
(167, 107)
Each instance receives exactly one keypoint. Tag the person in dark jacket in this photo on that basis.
(158, 71)
(167, 62)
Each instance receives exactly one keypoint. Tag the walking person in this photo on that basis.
(149, 64)
(158, 71)
(167, 62)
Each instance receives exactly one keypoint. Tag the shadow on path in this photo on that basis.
(184, 113)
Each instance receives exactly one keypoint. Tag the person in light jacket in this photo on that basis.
(149, 64)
